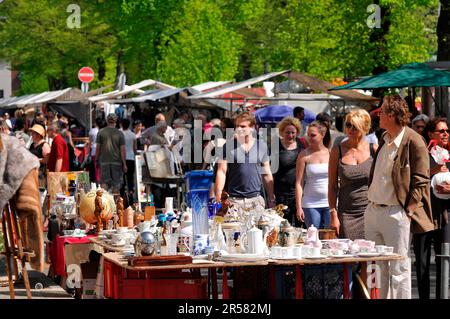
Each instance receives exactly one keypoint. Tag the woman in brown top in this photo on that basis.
(349, 169)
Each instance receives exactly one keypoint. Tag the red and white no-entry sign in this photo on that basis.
(86, 74)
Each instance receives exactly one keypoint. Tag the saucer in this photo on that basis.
(285, 258)
(389, 254)
(341, 256)
(117, 244)
(369, 254)
(315, 257)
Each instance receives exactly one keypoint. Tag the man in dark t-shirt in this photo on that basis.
(111, 155)
(245, 163)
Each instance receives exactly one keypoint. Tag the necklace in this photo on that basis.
(353, 153)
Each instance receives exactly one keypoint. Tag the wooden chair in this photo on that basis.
(14, 250)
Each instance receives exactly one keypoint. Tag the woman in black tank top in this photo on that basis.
(284, 179)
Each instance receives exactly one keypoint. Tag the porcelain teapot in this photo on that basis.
(312, 237)
(253, 242)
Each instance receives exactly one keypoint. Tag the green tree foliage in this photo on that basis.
(186, 42)
(198, 47)
(35, 38)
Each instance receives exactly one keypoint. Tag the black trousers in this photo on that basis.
(422, 250)
(129, 182)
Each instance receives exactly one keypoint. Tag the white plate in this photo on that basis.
(369, 254)
(315, 257)
(243, 256)
(389, 254)
(342, 256)
(284, 258)
(117, 244)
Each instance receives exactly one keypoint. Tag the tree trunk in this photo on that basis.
(101, 68)
(378, 36)
(120, 67)
(55, 84)
(443, 31)
(443, 34)
(246, 63)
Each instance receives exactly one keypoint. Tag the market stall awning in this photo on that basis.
(322, 86)
(39, 98)
(44, 97)
(158, 94)
(209, 85)
(161, 94)
(129, 89)
(237, 86)
(408, 75)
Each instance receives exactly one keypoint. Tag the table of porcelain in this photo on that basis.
(328, 260)
(122, 261)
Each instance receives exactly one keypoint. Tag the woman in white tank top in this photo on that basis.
(311, 188)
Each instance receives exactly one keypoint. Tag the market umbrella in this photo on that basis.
(274, 113)
(408, 75)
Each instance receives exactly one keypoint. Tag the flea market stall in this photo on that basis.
(202, 249)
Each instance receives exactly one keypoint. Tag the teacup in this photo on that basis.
(388, 250)
(364, 250)
(118, 238)
(297, 251)
(380, 249)
(338, 252)
(276, 252)
(286, 252)
(315, 252)
(306, 251)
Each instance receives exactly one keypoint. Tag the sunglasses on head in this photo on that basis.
(443, 131)
(350, 126)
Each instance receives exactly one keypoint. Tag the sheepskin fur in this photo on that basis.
(19, 185)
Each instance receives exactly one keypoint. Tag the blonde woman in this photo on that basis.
(284, 178)
(349, 170)
(311, 185)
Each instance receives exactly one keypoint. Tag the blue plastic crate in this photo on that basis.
(200, 179)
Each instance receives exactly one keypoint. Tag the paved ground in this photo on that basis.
(42, 287)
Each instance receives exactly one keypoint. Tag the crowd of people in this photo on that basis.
(363, 185)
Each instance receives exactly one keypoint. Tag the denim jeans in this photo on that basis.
(319, 217)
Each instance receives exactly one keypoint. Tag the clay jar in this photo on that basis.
(128, 217)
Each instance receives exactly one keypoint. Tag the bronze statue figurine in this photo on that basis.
(120, 211)
(99, 212)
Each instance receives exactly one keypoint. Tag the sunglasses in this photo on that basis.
(350, 126)
(443, 131)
